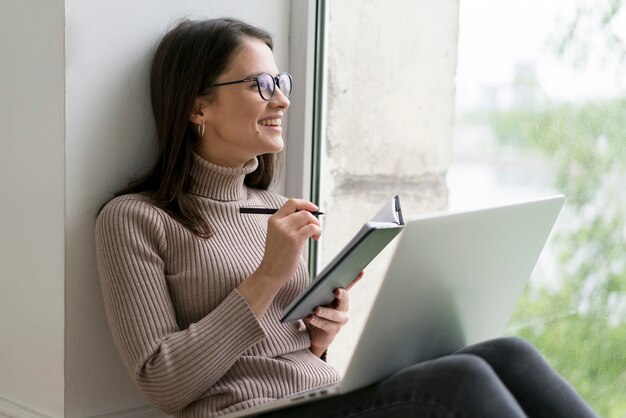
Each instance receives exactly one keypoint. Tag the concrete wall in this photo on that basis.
(390, 103)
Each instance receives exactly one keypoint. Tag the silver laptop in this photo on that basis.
(454, 280)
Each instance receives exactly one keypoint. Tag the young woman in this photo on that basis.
(194, 289)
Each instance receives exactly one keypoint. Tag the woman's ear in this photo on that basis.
(198, 113)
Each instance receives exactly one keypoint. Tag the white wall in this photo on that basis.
(109, 137)
(72, 133)
(32, 205)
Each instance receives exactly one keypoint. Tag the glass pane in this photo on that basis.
(541, 108)
(475, 103)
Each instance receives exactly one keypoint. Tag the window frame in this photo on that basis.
(304, 137)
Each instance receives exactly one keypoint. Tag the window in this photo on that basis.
(504, 114)
(387, 124)
(541, 111)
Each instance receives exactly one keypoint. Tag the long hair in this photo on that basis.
(189, 59)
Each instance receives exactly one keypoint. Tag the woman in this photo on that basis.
(194, 289)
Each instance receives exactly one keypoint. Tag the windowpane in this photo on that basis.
(487, 102)
(542, 111)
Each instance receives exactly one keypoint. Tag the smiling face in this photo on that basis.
(239, 124)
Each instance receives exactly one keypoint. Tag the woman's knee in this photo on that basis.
(515, 345)
(460, 382)
(504, 349)
(468, 369)
(508, 356)
(464, 369)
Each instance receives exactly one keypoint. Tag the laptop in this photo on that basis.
(454, 280)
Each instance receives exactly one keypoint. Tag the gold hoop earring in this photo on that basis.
(201, 130)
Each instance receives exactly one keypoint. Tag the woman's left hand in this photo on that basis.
(326, 321)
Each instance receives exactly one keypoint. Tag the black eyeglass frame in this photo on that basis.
(276, 81)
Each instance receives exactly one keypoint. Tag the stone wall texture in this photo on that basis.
(390, 71)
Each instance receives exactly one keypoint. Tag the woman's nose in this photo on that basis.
(279, 99)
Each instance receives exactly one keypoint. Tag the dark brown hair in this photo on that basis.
(189, 59)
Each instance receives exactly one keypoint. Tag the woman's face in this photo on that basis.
(239, 124)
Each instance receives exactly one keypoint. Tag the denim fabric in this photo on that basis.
(506, 377)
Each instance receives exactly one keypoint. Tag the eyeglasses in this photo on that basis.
(266, 84)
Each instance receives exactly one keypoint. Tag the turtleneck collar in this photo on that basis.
(217, 182)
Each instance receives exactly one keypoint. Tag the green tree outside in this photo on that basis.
(581, 326)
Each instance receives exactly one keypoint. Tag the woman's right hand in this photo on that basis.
(287, 232)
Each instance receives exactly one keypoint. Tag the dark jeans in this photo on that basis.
(506, 377)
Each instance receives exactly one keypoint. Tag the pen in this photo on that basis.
(268, 211)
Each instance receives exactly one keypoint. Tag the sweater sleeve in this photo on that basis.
(173, 367)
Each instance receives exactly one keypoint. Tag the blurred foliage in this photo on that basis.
(585, 142)
(580, 326)
(593, 33)
(578, 323)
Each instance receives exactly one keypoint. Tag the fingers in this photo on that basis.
(300, 221)
(301, 224)
(333, 317)
(287, 231)
(295, 205)
(356, 279)
(301, 218)
(310, 231)
(341, 300)
(325, 325)
(326, 322)
(327, 319)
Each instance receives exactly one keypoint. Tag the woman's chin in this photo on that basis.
(275, 145)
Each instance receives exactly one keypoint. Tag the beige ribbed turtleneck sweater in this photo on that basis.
(186, 335)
